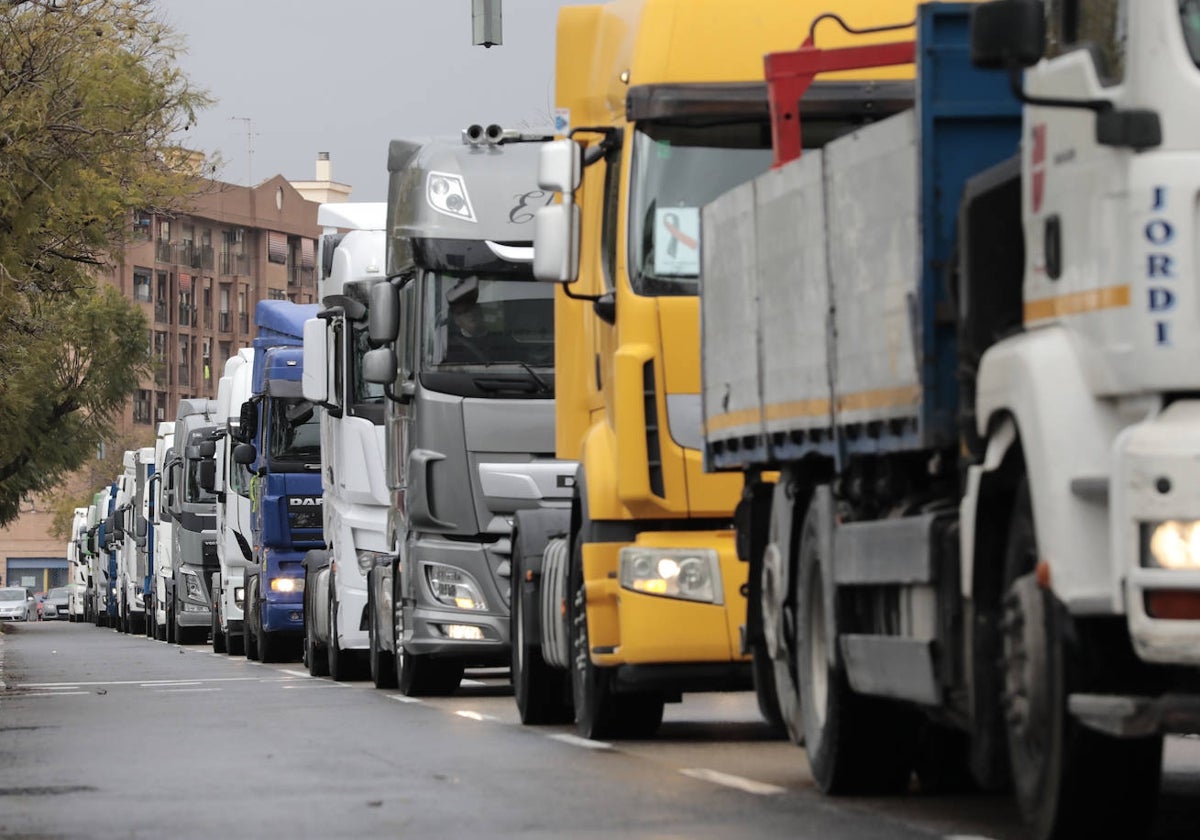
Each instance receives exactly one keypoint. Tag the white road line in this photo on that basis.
(576, 741)
(967, 837)
(469, 715)
(169, 683)
(304, 674)
(127, 682)
(473, 682)
(43, 694)
(401, 698)
(63, 688)
(183, 690)
(738, 782)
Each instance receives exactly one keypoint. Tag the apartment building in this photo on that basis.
(197, 276)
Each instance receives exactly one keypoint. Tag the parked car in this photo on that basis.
(17, 604)
(56, 605)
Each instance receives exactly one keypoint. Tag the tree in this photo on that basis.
(90, 101)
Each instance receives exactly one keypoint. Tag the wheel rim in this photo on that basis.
(818, 671)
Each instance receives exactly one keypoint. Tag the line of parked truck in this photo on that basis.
(868, 384)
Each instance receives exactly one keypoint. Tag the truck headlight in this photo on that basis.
(448, 194)
(239, 596)
(454, 587)
(191, 585)
(287, 584)
(368, 559)
(692, 574)
(1174, 545)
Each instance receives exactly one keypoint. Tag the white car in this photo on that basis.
(55, 605)
(16, 604)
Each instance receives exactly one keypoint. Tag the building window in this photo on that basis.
(142, 279)
(276, 294)
(160, 406)
(185, 367)
(277, 247)
(141, 406)
(162, 299)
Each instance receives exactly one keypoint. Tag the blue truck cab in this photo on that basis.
(280, 433)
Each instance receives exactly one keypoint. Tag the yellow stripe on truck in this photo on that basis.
(1077, 303)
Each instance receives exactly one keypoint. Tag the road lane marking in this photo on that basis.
(401, 698)
(304, 674)
(472, 682)
(169, 683)
(469, 715)
(576, 741)
(183, 690)
(127, 682)
(737, 782)
(43, 694)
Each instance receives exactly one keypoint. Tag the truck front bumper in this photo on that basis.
(479, 636)
(1157, 483)
(633, 628)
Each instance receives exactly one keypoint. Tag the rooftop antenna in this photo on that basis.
(485, 23)
(249, 148)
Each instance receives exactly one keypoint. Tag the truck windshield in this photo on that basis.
(486, 320)
(295, 432)
(1189, 16)
(678, 167)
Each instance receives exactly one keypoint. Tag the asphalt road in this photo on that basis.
(103, 735)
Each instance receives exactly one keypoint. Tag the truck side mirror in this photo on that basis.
(248, 421)
(208, 450)
(244, 454)
(556, 227)
(314, 381)
(379, 366)
(1008, 34)
(206, 475)
(383, 319)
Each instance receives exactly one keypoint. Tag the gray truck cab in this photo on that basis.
(193, 512)
(468, 359)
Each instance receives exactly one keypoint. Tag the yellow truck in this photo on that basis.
(637, 593)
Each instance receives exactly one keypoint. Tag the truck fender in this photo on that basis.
(598, 461)
(1041, 380)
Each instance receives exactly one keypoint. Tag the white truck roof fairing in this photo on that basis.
(356, 215)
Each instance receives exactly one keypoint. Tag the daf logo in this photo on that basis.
(304, 501)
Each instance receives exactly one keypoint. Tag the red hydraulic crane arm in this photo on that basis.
(789, 75)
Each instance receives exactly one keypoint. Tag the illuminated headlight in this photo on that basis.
(195, 608)
(693, 574)
(448, 194)
(1171, 545)
(454, 587)
(368, 559)
(239, 596)
(463, 632)
(191, 585)
(287, 584)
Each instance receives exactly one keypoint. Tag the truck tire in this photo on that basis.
(171, 638)
(235, 644)
(1070, 781)
(599, 711)
(382, 664)
(314, 652)
(779, 645)
(342, 665)
(542, 693)
(218, 638)
(765, 692)
(855, 744)
(416, 675)
(270, 647)
(250, 626)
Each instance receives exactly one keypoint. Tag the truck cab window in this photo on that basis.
(678, 167)
(295, 432)
(1098, 26)
(1189, 17)
(485, 320)
(365, 392)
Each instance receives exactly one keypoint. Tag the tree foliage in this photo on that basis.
(90, 101)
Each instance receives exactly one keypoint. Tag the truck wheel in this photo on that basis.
(765, 692)
(269, 647)
(855, 744)
(599, 711)
(383, 665)
(218, 638)
(250, 625)
(235, 644)
(779, 634)
(171, 621)
(314, 652)
(419, 676)
(542, 692)
(339, 664)
(1070, 781)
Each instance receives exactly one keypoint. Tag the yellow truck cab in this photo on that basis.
(665, 108)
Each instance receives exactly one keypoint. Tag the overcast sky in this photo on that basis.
(346, 77)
